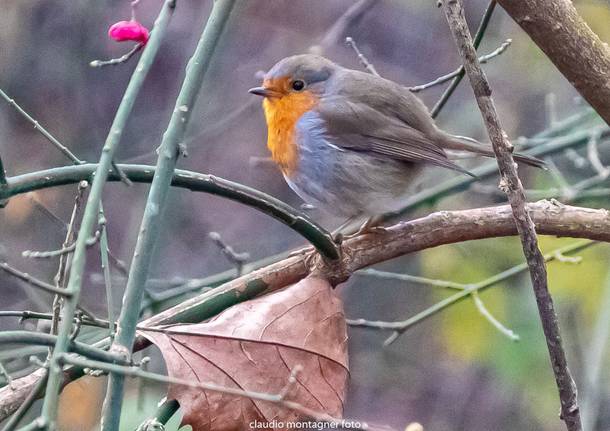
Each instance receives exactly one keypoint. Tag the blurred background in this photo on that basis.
(454, 371)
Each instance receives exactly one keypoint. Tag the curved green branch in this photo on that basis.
(197, 182)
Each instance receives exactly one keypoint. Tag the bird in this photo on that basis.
(351, 143)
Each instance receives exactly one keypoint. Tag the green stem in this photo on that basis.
(460, 74)
(401, 327)
(460, 183)
(40, 339)
(164, 413)
(2, 175)
(157, 201)
(106, 271)
(89, 221)
(193, 181)
(64, 150)
(34, 282)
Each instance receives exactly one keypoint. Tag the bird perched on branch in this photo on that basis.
(349, 142)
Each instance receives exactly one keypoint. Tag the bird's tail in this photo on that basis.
(463, 143)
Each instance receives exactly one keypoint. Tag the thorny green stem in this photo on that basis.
(49, 408)
(157, 201)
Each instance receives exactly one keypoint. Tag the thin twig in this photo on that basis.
(39, 205)
(122, 59)
(32, 281)
(439, 283)
(490, 318)
(261, 396)
(7, 377)
(477, 41)
(40, 339)
(460, 70)
(593, 156)
(62, 270)
(104, 252)
(401, 327)
(64, 150)
(512, 185)
(363, 60)
(90, 242)
(237, 259)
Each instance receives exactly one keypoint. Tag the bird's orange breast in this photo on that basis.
(282, 114)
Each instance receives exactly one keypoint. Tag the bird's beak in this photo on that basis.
(265, 92)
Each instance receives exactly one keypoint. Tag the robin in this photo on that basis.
(352, 143)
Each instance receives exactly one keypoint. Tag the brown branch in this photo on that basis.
(566, 39)
(445, 227)
(511, 184)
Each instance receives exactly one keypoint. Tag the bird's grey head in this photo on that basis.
(295, 74)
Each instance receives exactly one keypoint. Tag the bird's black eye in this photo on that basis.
(298, 85)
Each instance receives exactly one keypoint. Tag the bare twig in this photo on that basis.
(271, 398)
(465, 291)
(32, 281)
(490, 318)
(122, 59)
(63, 149)
(237, 259)
(460, 70)
(438, 283)
(39, 205)
(478, 37)
(7, 377)
(512, 185)
(593, 155)
(62, 270)
(62, 251)
(104, 257)
(363, 60)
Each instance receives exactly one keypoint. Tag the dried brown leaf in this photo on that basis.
(254, 346)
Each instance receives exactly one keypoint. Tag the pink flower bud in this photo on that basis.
(128, 30)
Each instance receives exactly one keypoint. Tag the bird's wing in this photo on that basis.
(359, 127)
